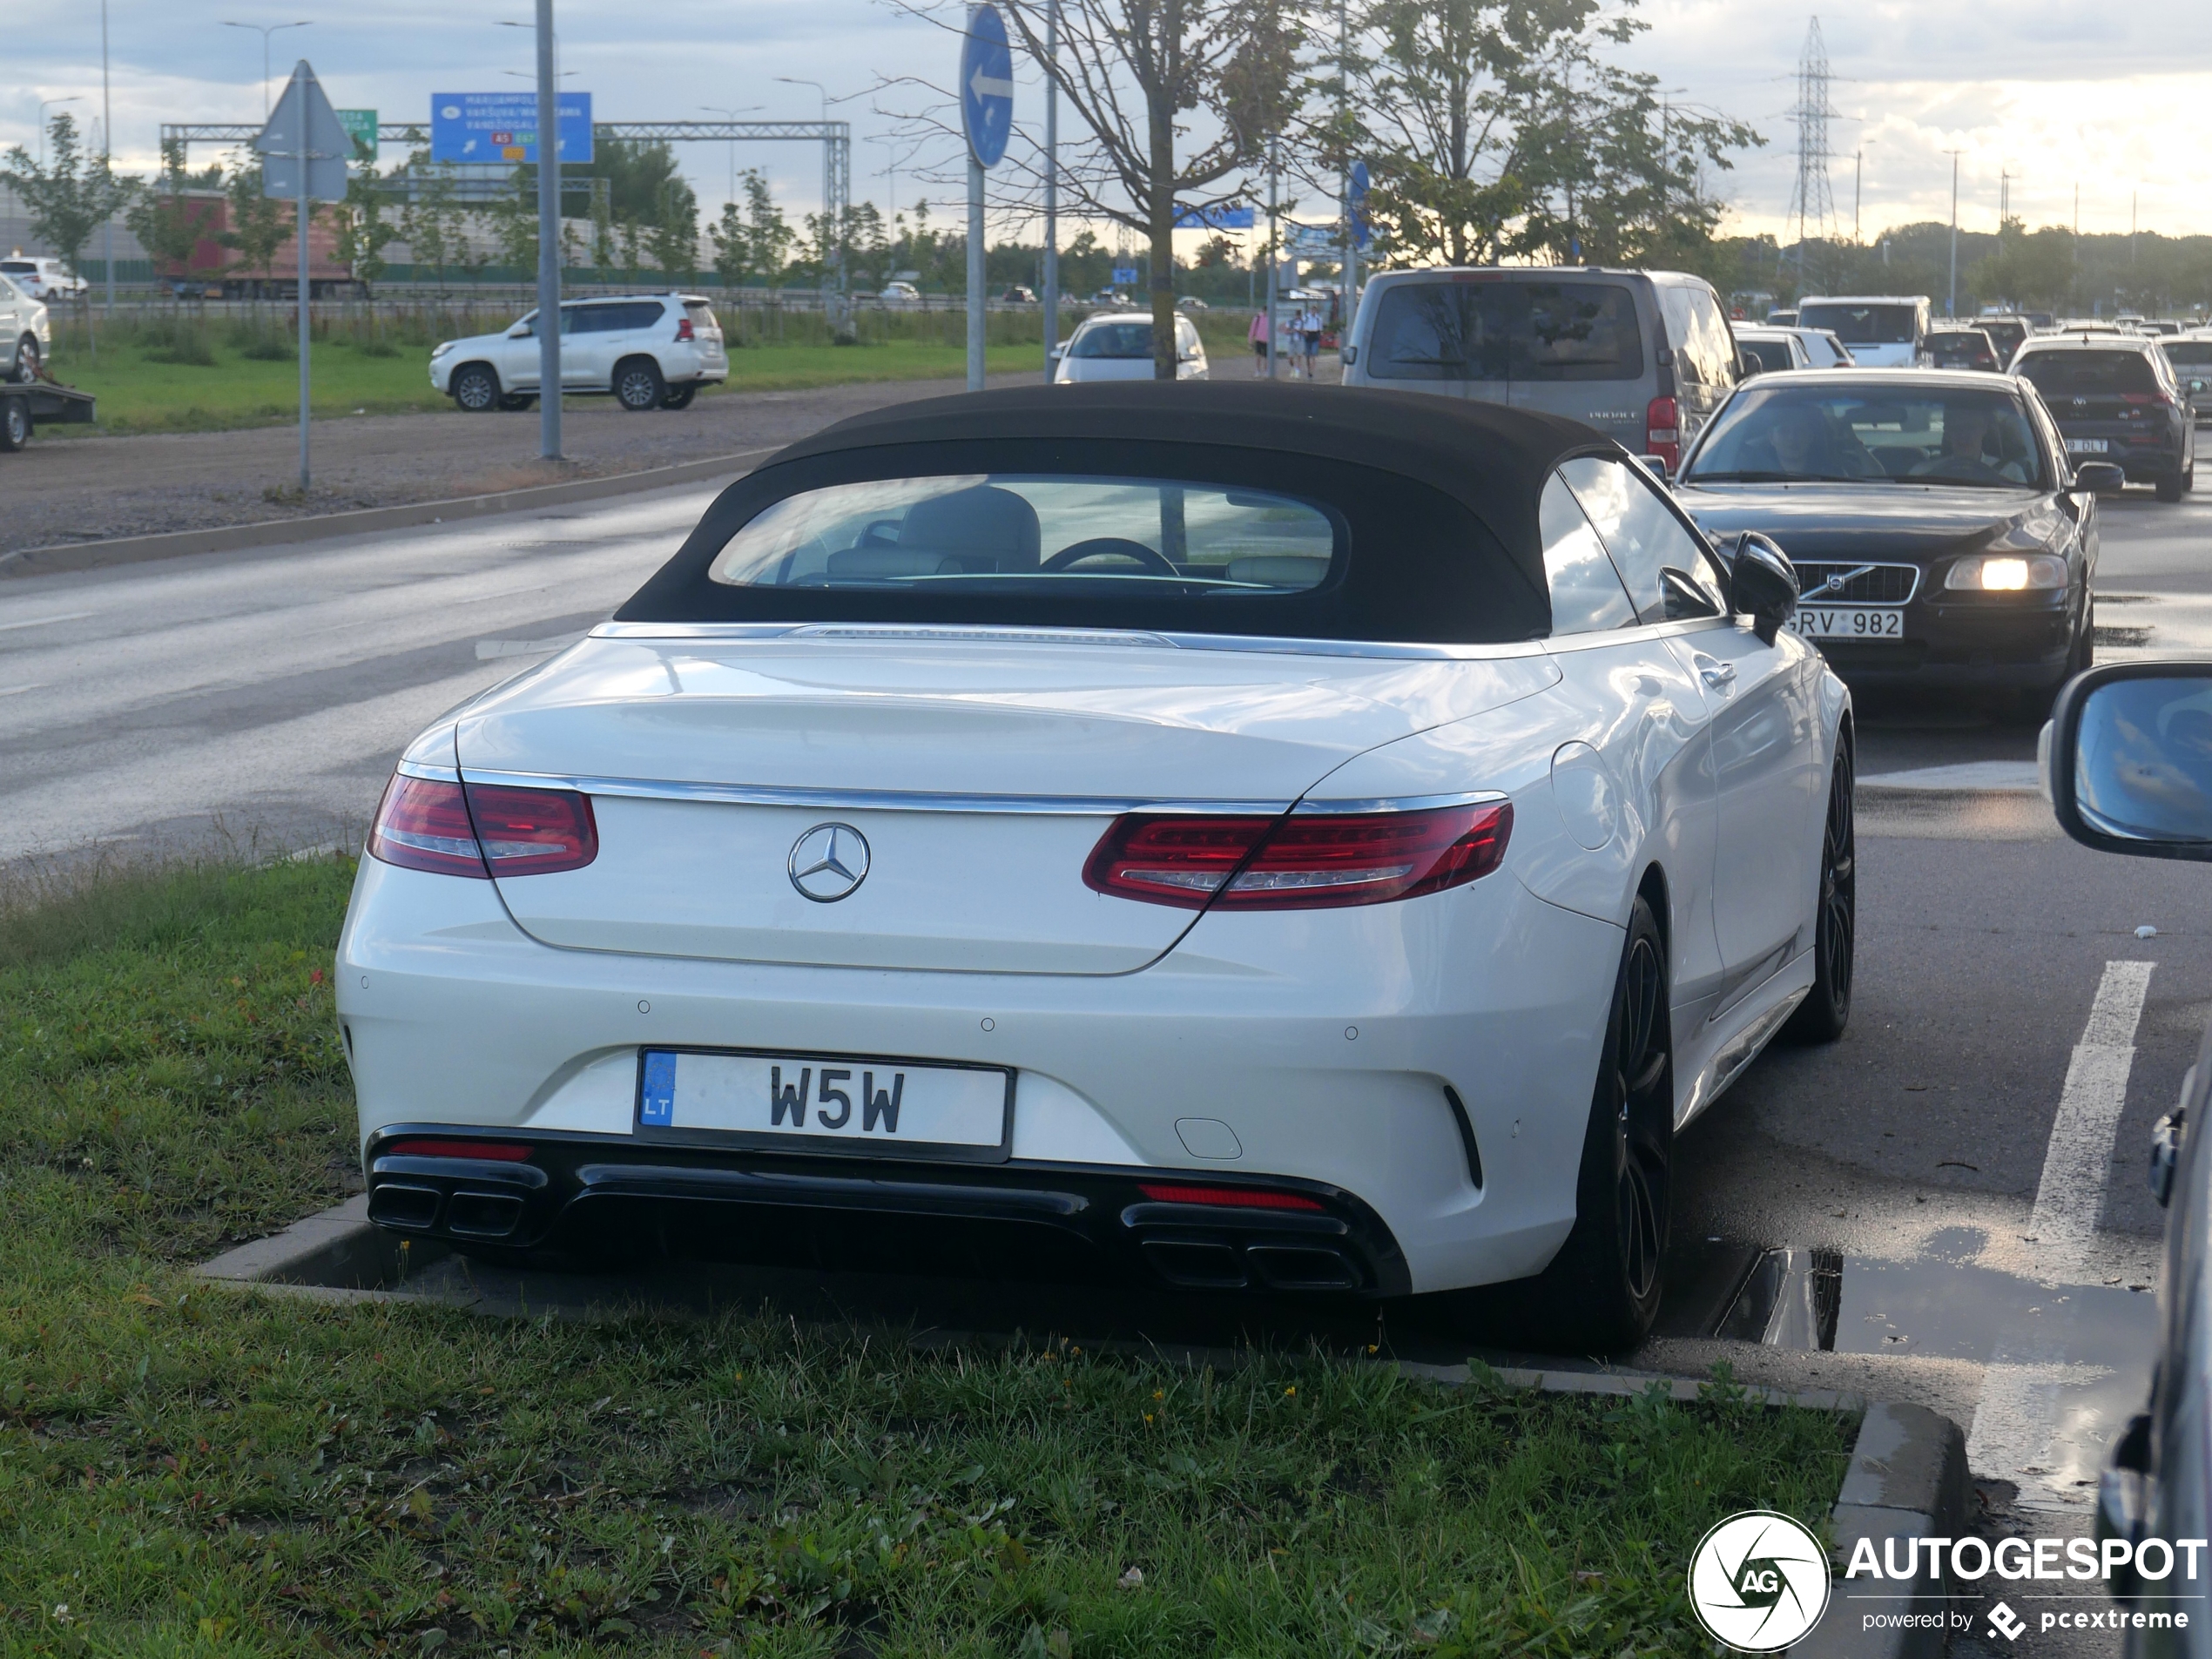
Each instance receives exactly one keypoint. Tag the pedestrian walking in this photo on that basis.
(1309, 324)
(1258, 335)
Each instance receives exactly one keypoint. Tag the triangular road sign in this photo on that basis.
(325, 141)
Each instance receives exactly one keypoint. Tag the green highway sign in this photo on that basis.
(361, 127)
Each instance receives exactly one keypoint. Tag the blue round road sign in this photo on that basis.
(986, 86)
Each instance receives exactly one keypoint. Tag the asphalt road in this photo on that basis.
(1950, 1184)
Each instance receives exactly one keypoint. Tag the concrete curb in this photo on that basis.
(135, 549)
(1907, 1480)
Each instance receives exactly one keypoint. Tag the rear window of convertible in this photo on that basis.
(1016, 532)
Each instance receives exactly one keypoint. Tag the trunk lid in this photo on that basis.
(979, 771)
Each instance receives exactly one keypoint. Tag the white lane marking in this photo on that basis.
(2006, 777)
(2026, 1429)
(40, 622)
(11, 690)
(2070, 1197)
(488, 648)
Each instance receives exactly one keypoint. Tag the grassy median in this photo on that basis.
(224, 367)
(192, 1470)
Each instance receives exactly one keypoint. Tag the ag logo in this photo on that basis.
(1758, 1581)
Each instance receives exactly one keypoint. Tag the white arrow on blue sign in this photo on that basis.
(986, 86)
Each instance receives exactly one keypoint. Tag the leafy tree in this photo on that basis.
(257, 225)
(754, 241)
(2035, 269)
(72, 196)
(168, 224)
(672, 240)
(431, 223)
(362, 233)
(1499, 129)
(1232, 62)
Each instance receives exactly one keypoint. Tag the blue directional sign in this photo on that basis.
(1212, 219)
(986, 86)
(1358, 194)
(492, 127)
(1125, 273)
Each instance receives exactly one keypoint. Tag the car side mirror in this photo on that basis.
(521, 331)
(1058, 352)
(2126, 759)
(2099, 475)
(1655, 465)
(1762, 584)
(2196, 386)
(1350, 355)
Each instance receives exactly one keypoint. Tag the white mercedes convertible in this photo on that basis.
(1246, 837)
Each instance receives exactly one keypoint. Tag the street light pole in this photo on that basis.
(1051, 185)
(548, 240)
(716, 109)
(107, 168)
(263, 29)
(1951, 304)
(1274, 260)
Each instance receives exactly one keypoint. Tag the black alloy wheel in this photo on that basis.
(638, 385)
(2083, 657)
(15, 424)
(27, 360)
(679, 397)
(1826, 1010)
(1601, 1291)
(476, 389)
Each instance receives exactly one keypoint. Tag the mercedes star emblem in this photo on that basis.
(828, 862)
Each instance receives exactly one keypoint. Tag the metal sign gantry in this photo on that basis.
(835, 137)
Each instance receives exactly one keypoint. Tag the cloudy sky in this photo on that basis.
(2116, 98)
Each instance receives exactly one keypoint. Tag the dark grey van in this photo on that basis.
(1644, 356)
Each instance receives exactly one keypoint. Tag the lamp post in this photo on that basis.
(45, 104)
(1858, 174)
(264, 31)
(732, 115)
(1051, 318)
(1951, 304)
(549, 229)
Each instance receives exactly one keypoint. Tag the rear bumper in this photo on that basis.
(596, 1194)
(451, 1017)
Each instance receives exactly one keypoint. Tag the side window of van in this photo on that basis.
(1586, 591)
(1697, 333)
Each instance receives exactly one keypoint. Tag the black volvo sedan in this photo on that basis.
(1941, 534)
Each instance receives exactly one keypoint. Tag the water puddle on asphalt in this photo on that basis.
(2065, 1365)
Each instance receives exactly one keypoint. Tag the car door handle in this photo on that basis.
(1719, 675)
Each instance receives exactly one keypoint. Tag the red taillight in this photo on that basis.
(684, 328)
(1304, 861)
(533, 832)
(2159, 398)
(1662, 431)
(494, 1152)
(423, 824)
(1232, 1197)
(482, 830)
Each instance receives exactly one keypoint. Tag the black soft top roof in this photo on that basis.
(1491, 459)
(1408, 471)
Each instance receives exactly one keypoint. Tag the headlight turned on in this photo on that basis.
(2005, 573)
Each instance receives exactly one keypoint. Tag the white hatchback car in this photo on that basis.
(1117, 346)
(648, 351)
(1233, 837)
(43, 278)
(26, 332)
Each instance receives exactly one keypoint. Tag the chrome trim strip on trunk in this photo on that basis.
(861, 800)
(429, 773)
(1401, 803)
(950, 633)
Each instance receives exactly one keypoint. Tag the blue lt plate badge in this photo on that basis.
(658, 1106)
